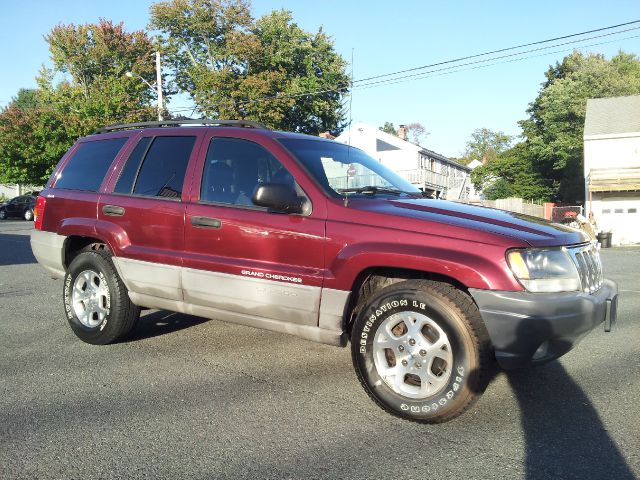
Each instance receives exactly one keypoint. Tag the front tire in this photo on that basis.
(28, 215)
(96, 301)
(3, 215)
(421, 350)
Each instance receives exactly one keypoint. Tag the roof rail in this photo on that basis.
(178, 123)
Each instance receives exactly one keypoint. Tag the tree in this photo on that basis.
(38, 126)
(485, 145)
(511, 174)
(415, 132)
(389, 128)
(554, 130)
(269, 70)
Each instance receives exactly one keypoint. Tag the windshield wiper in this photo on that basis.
(372, 189)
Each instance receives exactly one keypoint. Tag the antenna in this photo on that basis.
(346, 198)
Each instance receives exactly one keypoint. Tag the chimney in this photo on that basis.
(327, 135)
(402, 132)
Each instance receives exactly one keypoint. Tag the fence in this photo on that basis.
(517, 205)
(14, 190)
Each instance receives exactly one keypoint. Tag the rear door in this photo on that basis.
(243, 259)
(143, 214)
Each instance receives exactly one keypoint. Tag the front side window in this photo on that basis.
(343, 170)
(235, 168)
(89, 164)
(163, 168)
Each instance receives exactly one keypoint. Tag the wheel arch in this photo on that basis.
(372, 279)
(76, 244)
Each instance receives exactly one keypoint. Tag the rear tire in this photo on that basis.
(96, 301)
(421, 350)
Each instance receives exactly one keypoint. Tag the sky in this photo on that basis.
(381, 37)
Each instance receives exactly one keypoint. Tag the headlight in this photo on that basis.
(540, 270)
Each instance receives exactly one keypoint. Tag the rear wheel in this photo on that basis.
(421, 350)
(96, 301)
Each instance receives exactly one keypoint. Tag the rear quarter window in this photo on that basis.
(88, 166)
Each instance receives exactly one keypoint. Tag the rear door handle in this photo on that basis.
(206, 222)
(113, 210)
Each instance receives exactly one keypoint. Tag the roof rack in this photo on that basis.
(178, 123)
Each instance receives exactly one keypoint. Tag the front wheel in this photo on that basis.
(28, 215)
(96, 301)
(421, 350)
(3, 214)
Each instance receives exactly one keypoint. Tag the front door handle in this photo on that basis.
(113, 210)
(206, 222)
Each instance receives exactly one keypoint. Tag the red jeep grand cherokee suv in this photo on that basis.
(306, 236)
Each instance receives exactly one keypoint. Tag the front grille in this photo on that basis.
(587, 259)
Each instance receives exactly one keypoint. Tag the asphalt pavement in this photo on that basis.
(191, 398)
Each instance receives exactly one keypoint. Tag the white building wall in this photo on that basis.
(611, 151)
(617, 212)
(397, 160)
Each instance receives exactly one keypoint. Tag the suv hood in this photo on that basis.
(535, 231)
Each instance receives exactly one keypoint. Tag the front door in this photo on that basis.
(240, 258)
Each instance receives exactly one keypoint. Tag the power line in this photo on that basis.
(469, 57)
(496, 58)
(456, 69)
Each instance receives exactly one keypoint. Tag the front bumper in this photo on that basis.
(535, 328)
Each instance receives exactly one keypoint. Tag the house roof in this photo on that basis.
(612, 116)
(398, 143)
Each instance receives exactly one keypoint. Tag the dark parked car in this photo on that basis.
(21, 207)
(311, 237)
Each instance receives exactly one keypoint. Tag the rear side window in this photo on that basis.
(130, 170)
(86, 169)
(156, 167)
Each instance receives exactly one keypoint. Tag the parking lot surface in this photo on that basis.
(186, 397)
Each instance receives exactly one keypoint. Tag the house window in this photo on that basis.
(632, 210)
(619, 210)
(606, 210)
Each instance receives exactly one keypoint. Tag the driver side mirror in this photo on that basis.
(278, 197)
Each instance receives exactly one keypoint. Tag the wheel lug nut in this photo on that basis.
(418, 364)
(412, 341)
(423, 352)
(401, 348)
(404, 363)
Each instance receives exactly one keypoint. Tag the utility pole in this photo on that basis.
(159, 86)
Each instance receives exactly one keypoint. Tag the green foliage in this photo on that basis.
(389, 128)
(511, 174)
(485, 145)
(554, 130)
(269, 69)
(26, 98)
(40, 125)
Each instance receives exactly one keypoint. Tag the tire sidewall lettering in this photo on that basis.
(429, 406)
(375, 316)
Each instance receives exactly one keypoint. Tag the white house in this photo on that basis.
(612, 166)
(430, 171)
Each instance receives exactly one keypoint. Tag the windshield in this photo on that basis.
(343, 170)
